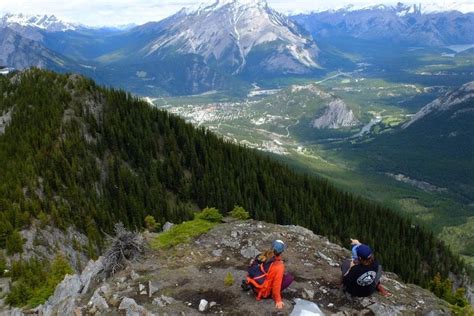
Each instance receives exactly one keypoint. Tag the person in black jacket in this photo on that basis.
(361, 275)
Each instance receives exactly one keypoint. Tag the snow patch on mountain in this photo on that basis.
(227, 31)
(48, 23)
(422, 8)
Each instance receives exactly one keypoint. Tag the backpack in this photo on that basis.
(257, 272)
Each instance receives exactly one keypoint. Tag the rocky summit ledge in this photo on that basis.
(189, 279)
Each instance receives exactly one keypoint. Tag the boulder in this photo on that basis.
(98, 302)
(92, 269)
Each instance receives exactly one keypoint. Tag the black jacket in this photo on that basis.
(362, 280)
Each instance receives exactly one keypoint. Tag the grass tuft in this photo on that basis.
(181, 233)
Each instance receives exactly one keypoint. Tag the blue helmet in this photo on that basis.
(278, 246)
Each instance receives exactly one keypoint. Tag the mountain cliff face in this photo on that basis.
(21, 52)
(400, 24)
(336, 115)
(237, 35)
(176, 280)
(454, 105)
(441, 130)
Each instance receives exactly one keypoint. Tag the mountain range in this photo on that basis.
(222, 45)
(400, 24)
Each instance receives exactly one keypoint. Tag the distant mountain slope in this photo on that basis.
(44, 22)
(19, 52)
(238, 35)
(400, 24)
(435, 146)
(213, 47)
(76, 154)
(452, 106)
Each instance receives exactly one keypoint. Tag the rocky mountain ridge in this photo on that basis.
(401, 24)
(49, 23)
(463, 95)
(189, 279)
(230, 33)
(336, 115)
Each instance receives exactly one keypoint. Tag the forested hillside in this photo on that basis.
(73, 153)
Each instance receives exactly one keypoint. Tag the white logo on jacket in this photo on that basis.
(366, 278)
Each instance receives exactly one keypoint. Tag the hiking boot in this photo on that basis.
(245, 286)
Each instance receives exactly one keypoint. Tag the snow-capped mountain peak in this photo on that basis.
(227, 31)
(402, 8)
(45, 22)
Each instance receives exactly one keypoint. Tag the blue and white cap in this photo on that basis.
(278, 246)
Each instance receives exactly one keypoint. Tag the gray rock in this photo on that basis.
(249, 252)
(308, 294)
(203, 305)
(131, 307)
(134, 276)
(91, 271)
(68, 288)
(217, 252)
(163, 301)
(98, 302)
(383, 309)
(167, 226)
(153, 287)
(305, 308)
(228, 242)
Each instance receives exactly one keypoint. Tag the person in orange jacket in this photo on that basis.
(268, 278)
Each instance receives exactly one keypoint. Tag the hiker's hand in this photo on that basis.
(279, 305)
(355, 241)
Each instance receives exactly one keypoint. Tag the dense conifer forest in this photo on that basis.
(77, 154)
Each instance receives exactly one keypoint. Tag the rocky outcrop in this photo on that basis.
(336, 115)
(65, 300)
(189, 278)
(239, 35)
(5, 119)
(47, 242)
(447, 102)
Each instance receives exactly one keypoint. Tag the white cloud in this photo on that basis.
(120, 12)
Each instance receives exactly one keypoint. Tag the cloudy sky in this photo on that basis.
(121, 12)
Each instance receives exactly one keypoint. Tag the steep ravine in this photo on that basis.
(174, 281)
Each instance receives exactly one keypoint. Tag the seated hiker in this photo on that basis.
(266, 274)
(361, 275)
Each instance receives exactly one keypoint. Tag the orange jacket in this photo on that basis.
(272, 284)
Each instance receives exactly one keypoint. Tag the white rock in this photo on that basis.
(203, 305)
